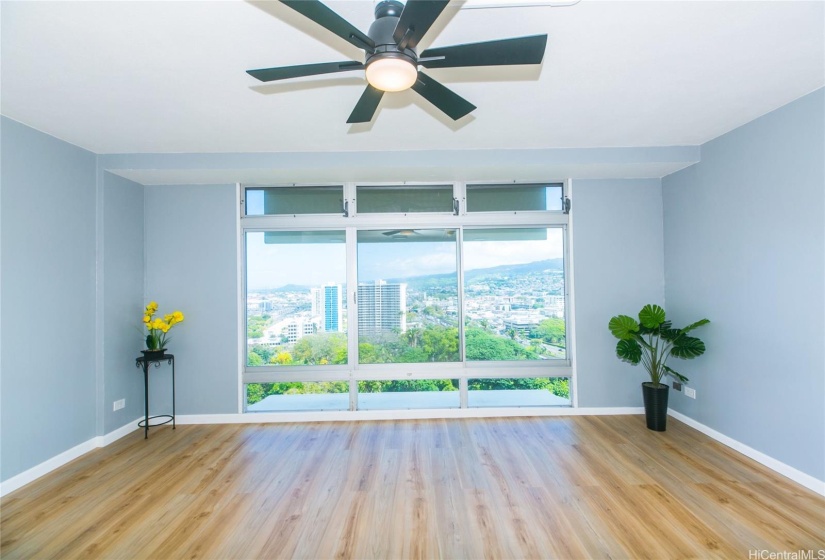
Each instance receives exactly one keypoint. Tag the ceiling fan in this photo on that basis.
(420, 235)
(392, 62)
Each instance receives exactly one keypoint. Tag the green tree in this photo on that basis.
(551, 331)
(447, 384)
(254, 359)
(254, 393)
(265, 352)
(321, 348)
(368, 353)
(559, 386)
(407, 385)
(256, 324)
(484, 346)
(441, 344)
(370, 386)
(283, 358)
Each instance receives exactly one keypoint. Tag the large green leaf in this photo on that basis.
(629, 351)
(676, 374)
(623, 327)
(657, 330)
(698, 323)
(687, 347)
(670, 334)
(651, 316)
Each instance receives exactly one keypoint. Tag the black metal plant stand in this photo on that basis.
(143, 362)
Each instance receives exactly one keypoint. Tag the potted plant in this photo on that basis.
(158, 330)
(652, 340)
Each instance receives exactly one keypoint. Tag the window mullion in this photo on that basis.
(349, 200)
(460, 269)
(462, 346)
(352, 290)
(460, 194)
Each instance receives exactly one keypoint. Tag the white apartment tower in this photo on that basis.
(382, 307)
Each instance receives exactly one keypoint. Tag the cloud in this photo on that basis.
(273, 265)
(487, 254)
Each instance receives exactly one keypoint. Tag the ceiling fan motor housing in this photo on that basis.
(387, 14)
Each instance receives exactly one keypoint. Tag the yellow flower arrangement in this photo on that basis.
(159, 328)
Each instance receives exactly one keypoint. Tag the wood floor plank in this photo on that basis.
(558, 487)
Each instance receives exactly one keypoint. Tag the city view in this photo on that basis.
(512, 312)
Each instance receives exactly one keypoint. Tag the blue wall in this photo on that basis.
(47, 366)
(618, 267)
(745, 246)
(192, 265)
(122, 299)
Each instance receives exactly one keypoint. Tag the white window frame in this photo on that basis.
(351, 223)
(392, 216)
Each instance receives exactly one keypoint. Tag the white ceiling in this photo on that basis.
(144, 77)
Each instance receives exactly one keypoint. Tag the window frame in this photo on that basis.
(351, 223)
(484, 366)
(320, 215)
(564, 192)
(330, 372)
(381, 216)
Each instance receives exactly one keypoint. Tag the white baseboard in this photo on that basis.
(20, 480)
(114, 435)
(415, 414)
(779, 467)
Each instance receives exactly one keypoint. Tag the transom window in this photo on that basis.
(405, 296)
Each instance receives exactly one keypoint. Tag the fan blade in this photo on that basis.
(325, 17)
(415, 21)
(449, 102)
(286, 72)
(366, 106)
(520, 50)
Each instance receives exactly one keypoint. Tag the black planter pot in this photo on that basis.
(655, 398)
(154, 354)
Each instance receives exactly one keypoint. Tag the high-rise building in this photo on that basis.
(332, 308)
(327, 304)
(382, 307)
(317, 297)
(299, 328)
(554, 305)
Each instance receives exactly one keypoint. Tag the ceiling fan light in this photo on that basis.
(391, 74)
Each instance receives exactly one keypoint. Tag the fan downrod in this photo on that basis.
(391, 8)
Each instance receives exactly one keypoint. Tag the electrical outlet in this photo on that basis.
(677, 386)
(690, 392)
(119, 404)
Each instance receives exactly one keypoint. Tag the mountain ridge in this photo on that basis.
(470, 276)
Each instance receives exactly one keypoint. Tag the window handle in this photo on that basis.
(345, 208)
(455, 206)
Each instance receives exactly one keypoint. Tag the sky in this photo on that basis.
(310, 264)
